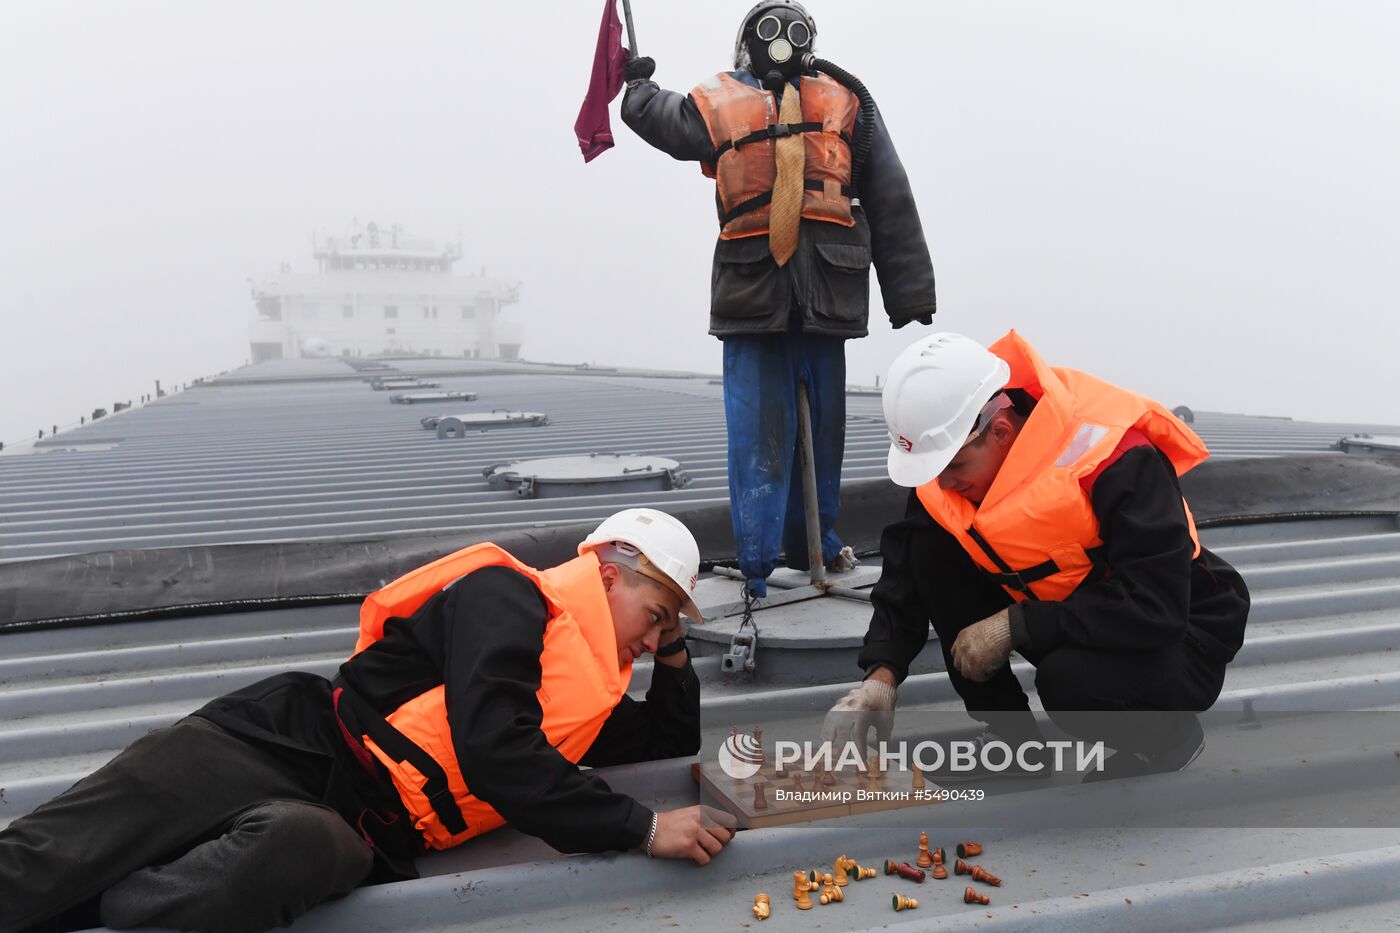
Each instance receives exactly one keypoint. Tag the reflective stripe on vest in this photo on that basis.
(580, 685)
(1035, 533)
(743, 122)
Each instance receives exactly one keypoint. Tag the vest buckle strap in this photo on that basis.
(1019, 580)
(1022, 579)
(399, 746)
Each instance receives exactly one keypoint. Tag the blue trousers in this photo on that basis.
(761, 378)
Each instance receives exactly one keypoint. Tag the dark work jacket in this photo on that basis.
(1148, 594)
(482, 638)
(826, 283)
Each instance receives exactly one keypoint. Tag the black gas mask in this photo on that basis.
(773, 40)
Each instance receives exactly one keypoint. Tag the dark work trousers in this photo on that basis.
(761, 378)
(189, 828)
(1136, 702)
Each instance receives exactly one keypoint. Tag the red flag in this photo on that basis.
(592, 127)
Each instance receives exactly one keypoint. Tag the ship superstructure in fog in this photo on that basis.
(378, 292)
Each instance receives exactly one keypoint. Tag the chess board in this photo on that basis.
(891, 790)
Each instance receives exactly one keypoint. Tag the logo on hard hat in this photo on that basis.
(740, 757)
(906, 443)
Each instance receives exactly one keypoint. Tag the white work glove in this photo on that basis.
(869, 706)
(983, 648)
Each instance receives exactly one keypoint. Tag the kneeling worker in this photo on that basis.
(1046, 518)
(478, 686)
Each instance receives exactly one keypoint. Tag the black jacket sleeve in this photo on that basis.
(667, 120)
(1142, 600)
(926, 578)
(897, 246)
(664, 725)
(491, 672)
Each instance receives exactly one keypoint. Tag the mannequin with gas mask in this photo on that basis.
(810, 192)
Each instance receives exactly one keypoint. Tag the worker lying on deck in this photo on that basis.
(1046, 518)
(474, 671)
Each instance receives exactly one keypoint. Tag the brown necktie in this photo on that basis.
(786, 210)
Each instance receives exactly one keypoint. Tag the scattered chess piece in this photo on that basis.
(814, 880)
(969, 849)
(863, 873)
(900, 902)
(938, 856)
(800, 889)
(939, 872)
(961, 868)
(925, 857)
(839, 870)
(904, 870)
(972, 897)
(981, 874)
(760, 799)
(831, 894)
(761, 906)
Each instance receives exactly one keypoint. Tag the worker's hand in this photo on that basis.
(673, 630)
(697, 833)
(869, 706)
(638, 68)
(983, 648)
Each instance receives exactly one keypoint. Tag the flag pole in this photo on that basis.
(631, 30)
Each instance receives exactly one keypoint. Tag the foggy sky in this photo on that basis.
(1196, 200)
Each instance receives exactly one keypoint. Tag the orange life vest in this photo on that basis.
(579, 687)
(743, 121)
(1035, 531)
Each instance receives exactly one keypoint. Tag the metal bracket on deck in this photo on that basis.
(743, 648)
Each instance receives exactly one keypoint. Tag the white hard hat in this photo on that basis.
(664, 541)
(933, 392)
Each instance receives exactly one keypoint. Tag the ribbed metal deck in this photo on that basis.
(309, 451)
(1323, 634)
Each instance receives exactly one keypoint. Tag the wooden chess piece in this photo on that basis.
(816, 775)
(800, 889)
(916, 780)
(814, 880)
(939, 872)
(981, 874)
(797, 781)
(828, 779)
(830, 892)
(904, 870)
(839, 870)
(961, 868)
(760, 799)
(863, 873)
(761, 906)
(925, 857)
(780, 770)
(969, 849)
(972, 897)
(900, 902)
(938, 856)
(758, 740)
